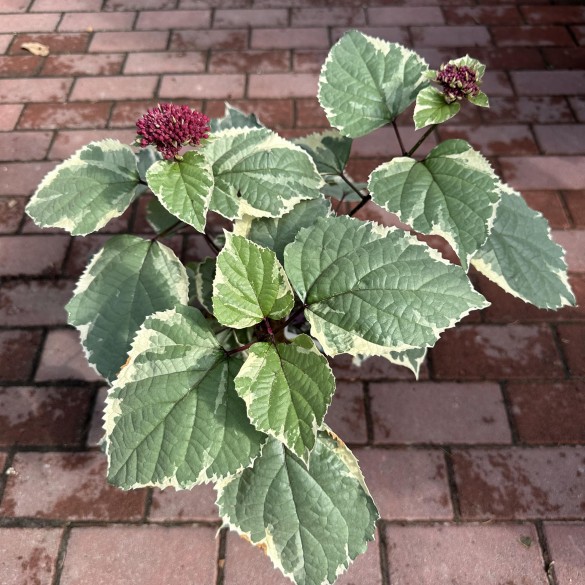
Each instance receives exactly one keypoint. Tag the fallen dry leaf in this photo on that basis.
(36, 49)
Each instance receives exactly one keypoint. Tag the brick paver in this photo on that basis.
(477, 469)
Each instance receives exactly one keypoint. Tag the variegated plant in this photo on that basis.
(218, 370)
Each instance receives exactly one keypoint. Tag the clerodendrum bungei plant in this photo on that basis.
(218, 370)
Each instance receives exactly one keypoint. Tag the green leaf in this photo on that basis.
(287, 389)
(83, 193)
(127, 280)
(372, 290)
(480, 100)
(312, 520)
(452, 193)
(278, 233)
(431, 108)
(234, 118)
(472, 63)
(366, 82)
(173, 417)
(184, 187)
(158, 217)
(259, 173)
(329, 150)
(201, 275)
(249, 284)
(146, 158)
(521, 257)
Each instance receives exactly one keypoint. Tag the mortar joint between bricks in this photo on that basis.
(548, 566)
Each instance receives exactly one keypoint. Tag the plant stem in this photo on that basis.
(241, 348)
(291, 318)
(400, 143)
(351, 185)
(422, 139)
(166, 231)
(210, 242)
(364, 200)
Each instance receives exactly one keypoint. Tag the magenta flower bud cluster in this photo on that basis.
(458, 82)
(170, 127)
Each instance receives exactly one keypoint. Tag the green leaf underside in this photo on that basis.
(431, 108)
(372, 290)
(337, 188)
(287, 389)
(452, 193)
(234, 118)
(129, 279)
(184, 187)
(521, 257)
(158, 217)
(249, 285)
(202, 275)
(278, 233)
(146, 158)
(83, 193)
(313, 520)
(366, 82)
(329, 150)
(258, 173)
(173, 417)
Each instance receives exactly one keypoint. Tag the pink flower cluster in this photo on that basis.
(458, 82)
(170, 127)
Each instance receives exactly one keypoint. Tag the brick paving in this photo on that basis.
(478, 470)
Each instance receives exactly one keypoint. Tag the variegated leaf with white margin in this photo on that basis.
(312, 520)
(366, 82)
(411, 359)
(201, 275)
(127, 280)
(249, 284)
(330, 150)
(371, 290)
(96, 184)
(277, 233)
(431, 108)
(453, 193)
(234, 118)
(287, 388)
(173, 417)
(521, 257)
(259, 173)
(184, 187)
(481, 99)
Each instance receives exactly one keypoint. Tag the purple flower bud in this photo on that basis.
(170, 127)
(458, 82)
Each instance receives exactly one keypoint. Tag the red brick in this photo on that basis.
(29, 555)
(393, 34)
(34, 90)
(11, 212)
(70, 65)
(217, 3)
(383, 142)
(561, 138)
(407, 484)
(19, 65)
(450, 36)
(275, 114)
(497, 83)
(573, 241)
(549, 82)
(298, 38)
(5, 41)
(176, 62)
(101, 21)
(572, 339)
(246, 564)
(9, 115)
(310, 114)
(512, 57)
(445, 554)
(116, 5)
(331, 16)
(566, 552)
(15, 23)
(74, 488)
(14, 5)
(249, 61)
(308, 61)
(195, 505)
(579, 32)
(34, 303)
(404, 15)
(57, 116)
(43, 416)
(520, 483)
(575, 201)
(125, 114)
(230, 40)
(494, 139)
(497, 352)
(21, 179)
(578, 105)
(549, 413)
(544, 172)
(63, 359)
(114, 88)
(346, 414)
(438, 413)
(129, 41)
(234, 18)
(140, 554)
(32, 255)
(549, 203)
(57, 42)
(175, 19)
(485, 15)
(23, 146)
(542, 110)
(540, 36)
(18, 350)
(564, 57)
(553, 14)
(65, 5)
(202, 86)
(68, 142)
